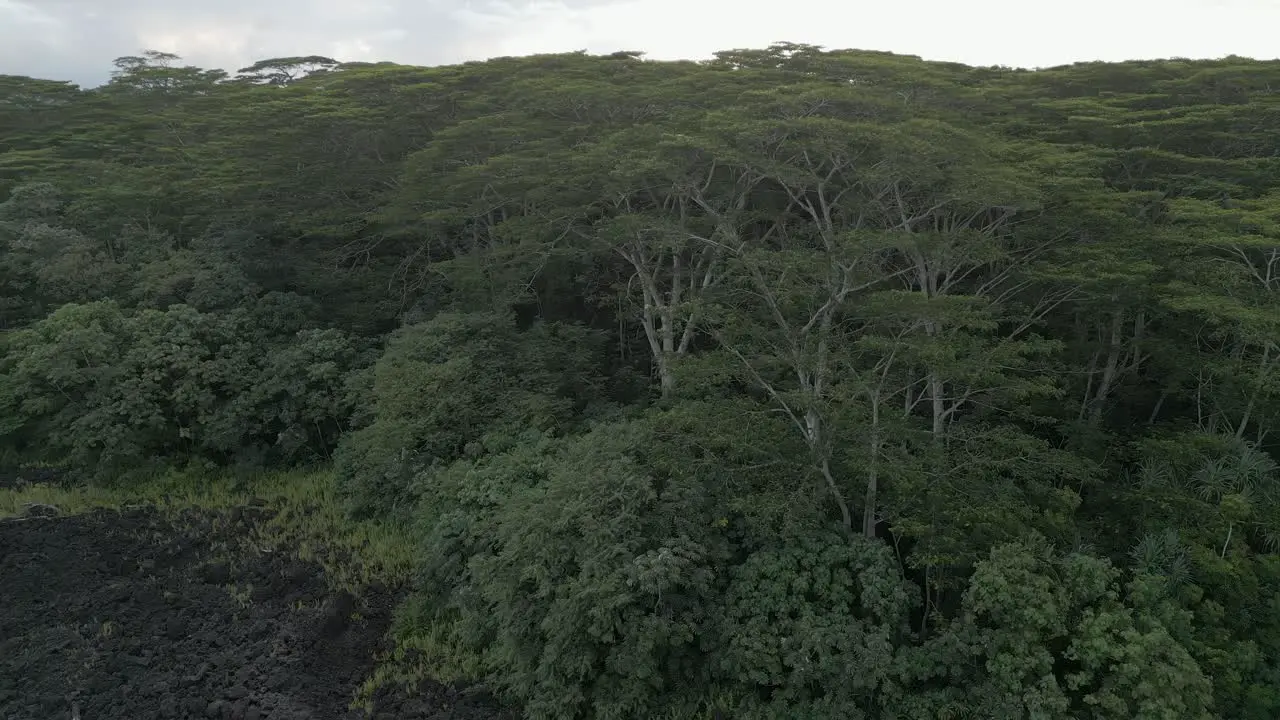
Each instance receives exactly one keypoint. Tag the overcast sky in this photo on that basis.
(77, 39)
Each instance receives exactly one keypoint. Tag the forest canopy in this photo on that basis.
(789, 384)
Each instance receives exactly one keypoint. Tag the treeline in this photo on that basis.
(792, 384)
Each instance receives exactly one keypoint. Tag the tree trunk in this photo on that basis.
(1264, 368)
(873, 474)
(846, 518)
(666, 378)
(939, 406)
(1108, 370)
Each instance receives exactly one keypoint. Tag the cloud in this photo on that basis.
(77, 39)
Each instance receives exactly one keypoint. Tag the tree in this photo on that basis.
(285, 70)
(448, 387)
(791, 383)
(1055, 637)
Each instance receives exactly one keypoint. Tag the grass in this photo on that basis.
(421, 651)
(242, 595)
(309, 520)
(14, 503)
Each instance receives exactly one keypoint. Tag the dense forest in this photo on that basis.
(790, 384)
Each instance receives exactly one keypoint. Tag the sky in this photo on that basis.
(77, 39)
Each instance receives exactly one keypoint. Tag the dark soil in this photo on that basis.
(136, 616)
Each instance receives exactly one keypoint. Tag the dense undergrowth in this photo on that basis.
(793, 383)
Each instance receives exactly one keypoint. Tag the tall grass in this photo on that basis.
(308, 520)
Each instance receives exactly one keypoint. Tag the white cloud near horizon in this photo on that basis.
(77, 39)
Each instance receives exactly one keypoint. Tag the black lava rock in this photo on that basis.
(129, 614)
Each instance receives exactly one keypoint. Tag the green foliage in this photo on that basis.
(737, 385)
(810, 627)
(1044, 635)
(44, 263)
(456, 385)
(582, 578)
(109, 392)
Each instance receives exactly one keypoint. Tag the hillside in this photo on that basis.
(792, 384)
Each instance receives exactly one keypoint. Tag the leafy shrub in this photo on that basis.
(108, 391)
(582, 581)
(1048, 635)
(610, 575)
(445, 385)
(810, 627)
